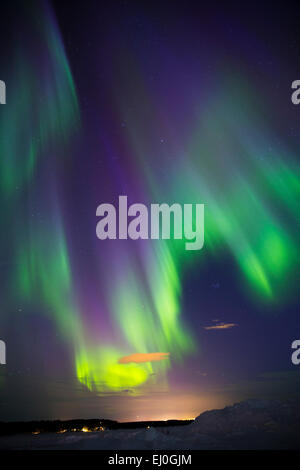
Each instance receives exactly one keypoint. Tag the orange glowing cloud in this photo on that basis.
(144, 357)
(220, 326)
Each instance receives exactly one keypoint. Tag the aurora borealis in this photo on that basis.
(135, 100)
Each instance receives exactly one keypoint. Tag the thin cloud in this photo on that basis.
(220, 326)
(144, 357)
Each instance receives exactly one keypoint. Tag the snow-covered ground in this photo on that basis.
(248, 425)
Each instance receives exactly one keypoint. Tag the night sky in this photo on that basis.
(162, 102)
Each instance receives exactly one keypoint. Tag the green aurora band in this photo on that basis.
(251, 196)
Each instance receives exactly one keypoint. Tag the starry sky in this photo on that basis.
(162, 102)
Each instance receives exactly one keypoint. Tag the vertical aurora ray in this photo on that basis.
(43, 108)
(35, 133)
(44, 276)
(145, 305)
(252, 199)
